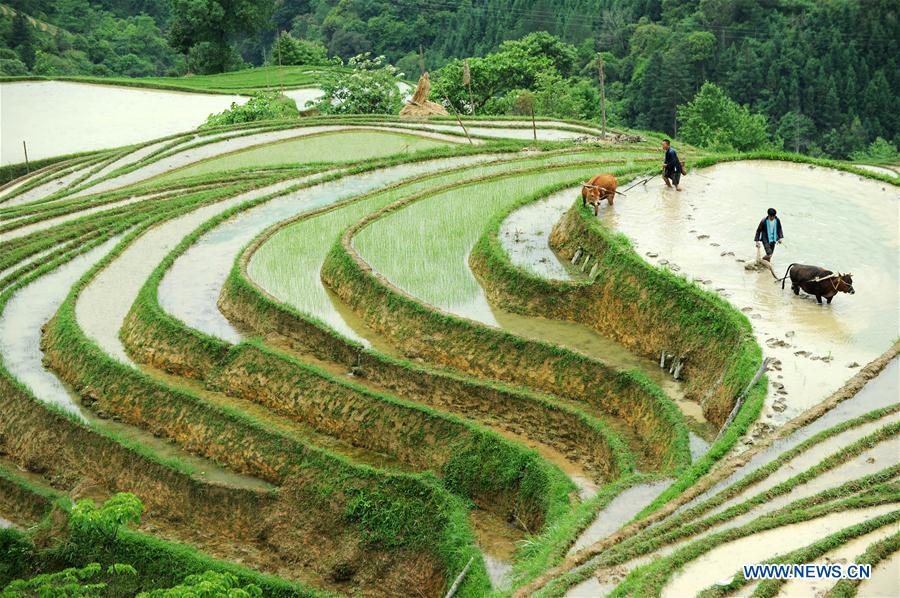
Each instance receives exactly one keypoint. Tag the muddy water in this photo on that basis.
(44, 224)
(720, 563)
(49, 188)
(497, 540)
(878, 169)
(524, 235)
(437, 272)
(869, 462)
(129, 158)
(885, 580)
(40, 112)
(810, 458)
(105, 301)
(20, 335)
(543, 134)
(877, 393)
(619, 511)
(25, 314)
(836, 220)
(302, 96)
(191, 287)
(845, 554)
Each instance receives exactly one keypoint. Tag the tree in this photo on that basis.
(104, 522)
(202, 29)
(370, 87)
(21, 37)
(796, 130)
(879, 150)
(714, 120)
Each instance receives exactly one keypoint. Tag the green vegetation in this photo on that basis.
(262, 106)
(326, 148)
(714, 121)
(436, 415)
(290, 50)
(369, 87)
(204, 33)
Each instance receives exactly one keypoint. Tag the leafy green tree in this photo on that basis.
(21, 37)
(202, 29)
(369, 87)
(796, 131)
(714, 120)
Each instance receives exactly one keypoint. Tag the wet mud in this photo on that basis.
(833, 219)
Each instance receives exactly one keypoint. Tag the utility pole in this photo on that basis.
(797, 132)
(27, 165)
(421, 60)
(602, 94)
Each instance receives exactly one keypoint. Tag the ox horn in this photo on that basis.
(588, 185)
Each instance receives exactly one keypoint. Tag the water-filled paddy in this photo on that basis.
(41, 113)
(191, 287)
(287, 265)
(836, 220)
(720, 563)
(342, 146)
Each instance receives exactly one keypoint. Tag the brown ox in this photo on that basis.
(818, 281)
(600, 187)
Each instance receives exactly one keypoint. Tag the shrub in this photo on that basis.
(288, 50)
(262, 106)
(370, 87)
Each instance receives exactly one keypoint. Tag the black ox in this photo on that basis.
(817, 281)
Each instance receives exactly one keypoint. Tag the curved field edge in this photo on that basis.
(641, 535)
(410, 323)
(244, 301)
(158, 562)
(645, 308)
(484, 466)
(379, 509)
(69, 450)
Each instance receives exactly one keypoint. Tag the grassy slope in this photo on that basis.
(246, 81)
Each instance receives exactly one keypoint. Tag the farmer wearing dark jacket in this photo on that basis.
(769, 232)
(671, 165)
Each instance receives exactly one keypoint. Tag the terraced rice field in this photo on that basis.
(363, 356)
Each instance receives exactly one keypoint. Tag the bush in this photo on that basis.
(370, 87)
(262, 106)
(287, 50)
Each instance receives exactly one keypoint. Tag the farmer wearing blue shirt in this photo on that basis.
(671, 165)
(769, 232)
